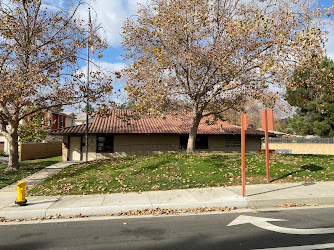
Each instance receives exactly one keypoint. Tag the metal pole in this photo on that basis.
(243, 152)
(267, 145)
(87, 87)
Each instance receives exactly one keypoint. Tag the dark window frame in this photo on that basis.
(183, 141)
(105, 145)
(62, 121)
(202, 142)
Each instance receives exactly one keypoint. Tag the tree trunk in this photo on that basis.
(193, 132)
(13, 162)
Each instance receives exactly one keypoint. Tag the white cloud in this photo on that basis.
(111, 67)
(106, 68)
(111, 14)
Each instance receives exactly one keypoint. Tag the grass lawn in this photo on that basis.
(181, 170)
(26, 168)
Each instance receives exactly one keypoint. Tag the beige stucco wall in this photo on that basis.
(145, 139)
(92, 155)
(125, 145)
(53, 138)
(141, 144)
(29, 151)
(64, 148)
(304, 148)
(253, 144)
(6, 144)
(68, 121)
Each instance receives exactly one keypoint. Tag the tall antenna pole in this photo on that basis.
(87, 83)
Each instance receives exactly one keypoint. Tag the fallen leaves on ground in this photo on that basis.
(155, 212)
(169, 211)
(287, 205)
(50, 217)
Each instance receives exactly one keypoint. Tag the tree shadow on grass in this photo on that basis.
(220, 156)
(75, 170)
(35, 165)
(308, 167)
(86, 167)
(219, 161)
(151, 166)
(312, 167)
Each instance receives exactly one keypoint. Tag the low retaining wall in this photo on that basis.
(31, 151)
(304, 148)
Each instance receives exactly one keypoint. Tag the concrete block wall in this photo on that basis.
(219, 143)
(30, 151)
(304, 148)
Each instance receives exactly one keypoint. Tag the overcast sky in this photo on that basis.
(112, 13)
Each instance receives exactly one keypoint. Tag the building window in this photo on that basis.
(183, 141)
(62, 121)
(105, 144)
(200, 143)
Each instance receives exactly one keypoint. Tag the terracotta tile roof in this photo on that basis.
(121, 122)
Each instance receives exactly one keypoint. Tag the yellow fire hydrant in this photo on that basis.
(21, 193)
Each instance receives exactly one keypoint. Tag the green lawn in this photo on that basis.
(26, 168)
(181, 170)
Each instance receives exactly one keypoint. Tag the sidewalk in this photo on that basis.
(262, 195)
(3, 159)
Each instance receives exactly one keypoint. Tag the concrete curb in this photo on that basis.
(277, 202)
(103, 210)
(23, 213)
(95, 205)
(43, 206)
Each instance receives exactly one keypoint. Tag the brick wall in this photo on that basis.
(30, 151)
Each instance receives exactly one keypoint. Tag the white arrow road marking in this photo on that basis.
(264, 224)
(306, 247)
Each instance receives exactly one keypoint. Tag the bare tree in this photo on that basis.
(40, 46)
(213, 55)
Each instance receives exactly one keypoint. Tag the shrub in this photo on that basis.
(2, 154)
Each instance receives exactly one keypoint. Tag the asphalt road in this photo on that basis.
(209, 231)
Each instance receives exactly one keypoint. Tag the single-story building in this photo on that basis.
(119, 134)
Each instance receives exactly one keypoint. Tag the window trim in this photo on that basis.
(104, 141)
(61, 121)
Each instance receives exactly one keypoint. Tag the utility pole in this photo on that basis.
(87, 83)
